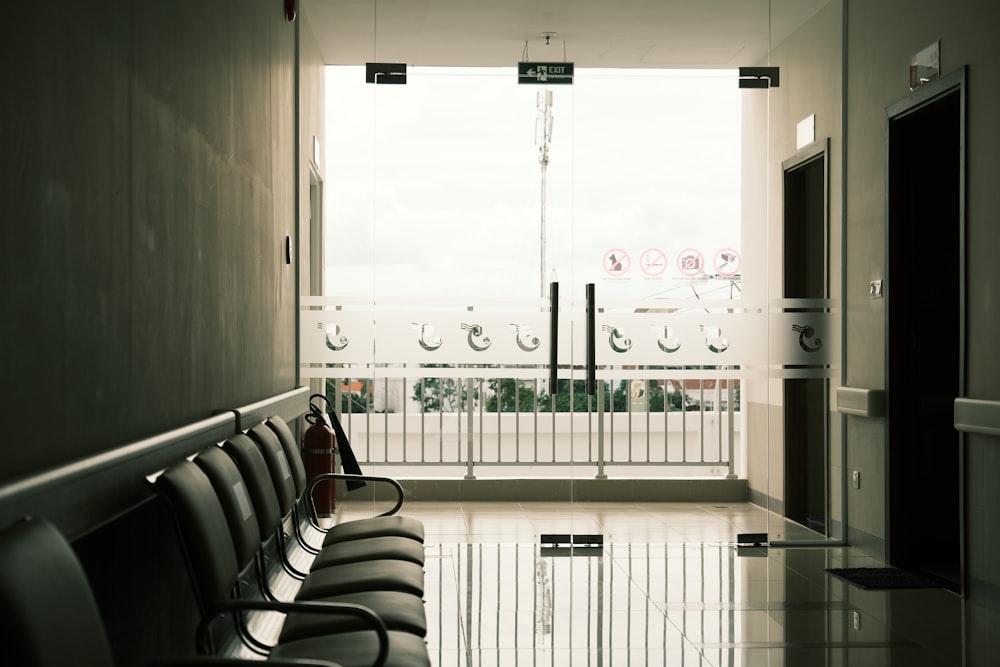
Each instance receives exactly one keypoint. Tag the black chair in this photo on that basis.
(388, 523)
(51, 618)
(215, 570)
(389, 537)
(276, 518)
(399, 610)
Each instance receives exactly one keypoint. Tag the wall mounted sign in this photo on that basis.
(394, 73)
(759, 77)
(544, 73)
(805, 132)
(925, 65)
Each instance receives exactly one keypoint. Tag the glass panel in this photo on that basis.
(351, 214)
(455, 200)
(791, 432)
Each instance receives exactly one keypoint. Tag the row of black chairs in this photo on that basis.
(270, 581)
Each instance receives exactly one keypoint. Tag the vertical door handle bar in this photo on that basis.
(554, 337)
(591, 341)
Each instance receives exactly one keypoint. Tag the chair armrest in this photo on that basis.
(328, 476)
(215, 661)
(306, 607)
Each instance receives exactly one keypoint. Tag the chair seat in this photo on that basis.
(383, 548)
(375, 575)
(358, 649)
(376, 526)
(399, 611)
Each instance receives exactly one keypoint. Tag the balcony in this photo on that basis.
(448, 391)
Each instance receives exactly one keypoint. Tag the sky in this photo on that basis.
(434, 188)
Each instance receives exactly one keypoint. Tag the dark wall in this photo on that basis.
(881, 38)
(148, 185)
(137, 568)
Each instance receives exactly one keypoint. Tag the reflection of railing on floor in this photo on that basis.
(670, 601)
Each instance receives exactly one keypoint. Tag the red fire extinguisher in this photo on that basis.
(319, 451)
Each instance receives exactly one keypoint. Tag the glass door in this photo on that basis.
(441, 193)
(604, 290)
(658, 234)
(456, 202)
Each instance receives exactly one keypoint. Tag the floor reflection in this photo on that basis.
(668, 588)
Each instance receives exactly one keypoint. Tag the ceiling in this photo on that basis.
(594, 33)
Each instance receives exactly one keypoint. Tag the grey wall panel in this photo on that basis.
(147, 197)
(881, 38)
(65, 314)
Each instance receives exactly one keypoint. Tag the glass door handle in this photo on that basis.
(554, 337)
(591, 341)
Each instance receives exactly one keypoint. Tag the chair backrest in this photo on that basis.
(257, 476)
(292, 452)
(232, 492)
(205, 532)
(51, 618)
(278, 464)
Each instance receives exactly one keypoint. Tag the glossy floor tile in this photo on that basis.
(668, 587)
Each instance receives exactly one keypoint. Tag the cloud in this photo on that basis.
(434, 188)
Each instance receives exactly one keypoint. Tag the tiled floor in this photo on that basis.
(668, 587)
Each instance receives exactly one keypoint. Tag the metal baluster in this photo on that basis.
(469, 473)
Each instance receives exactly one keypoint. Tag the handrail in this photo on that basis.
(83, 495)
(977, 416)
(289, 405)
(861, 402)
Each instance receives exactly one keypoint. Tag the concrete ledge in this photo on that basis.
(561, 490)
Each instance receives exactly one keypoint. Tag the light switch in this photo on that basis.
(875, 289)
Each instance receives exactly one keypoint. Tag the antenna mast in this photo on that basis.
(543, 137)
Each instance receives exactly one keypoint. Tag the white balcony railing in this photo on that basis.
(447, 389)
(673, 443)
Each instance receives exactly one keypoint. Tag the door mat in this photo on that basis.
(883, 578)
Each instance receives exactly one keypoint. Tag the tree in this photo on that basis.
(564, 401)
(510, 394)
(444, 394)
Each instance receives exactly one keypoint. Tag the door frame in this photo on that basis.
(918, 99)
(819, 149)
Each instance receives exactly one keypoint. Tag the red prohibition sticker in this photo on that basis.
(653, 262)
(727, 262)
(690, 262)
(617, 262)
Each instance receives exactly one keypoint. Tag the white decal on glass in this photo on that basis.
(617, 340)
(714, 340)
(806, 333)
(525, 339)
(477, 341)
(426, 337)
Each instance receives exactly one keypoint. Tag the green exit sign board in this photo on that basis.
(545, 73)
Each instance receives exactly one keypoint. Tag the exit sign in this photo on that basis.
(545, 73)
